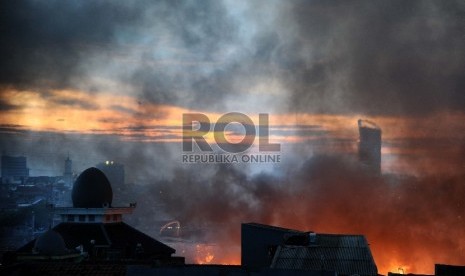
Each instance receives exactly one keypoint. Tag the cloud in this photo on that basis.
(76, 103)
(123, 109)
(12, 129)
(303, 131)
(5, 106)
(378, 57)
(342, 57)
(44, 42)
(158, 49)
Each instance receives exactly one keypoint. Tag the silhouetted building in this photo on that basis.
(369, 150)
(219, 270)
(286, 249)
(439, 270)
(401, 272)
(114, 172)
(259, 243)
(96, 227)
(449, 270)
(14, 168)
(68, 172)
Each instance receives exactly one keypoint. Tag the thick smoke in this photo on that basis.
(45, 43)
(408, 221)
(397, 58)
(164, 52)
(371, 57)
(377, 57)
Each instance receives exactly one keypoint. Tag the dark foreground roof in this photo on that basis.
(449, 270)
(220, 270)
(58, 269)
(115, 269)
(113, 235)
(270, 227)
(345, 254)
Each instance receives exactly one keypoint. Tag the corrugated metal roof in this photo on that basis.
(345, 254)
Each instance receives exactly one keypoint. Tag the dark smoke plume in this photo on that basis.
(408, 220)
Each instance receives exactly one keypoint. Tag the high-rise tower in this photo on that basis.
(68, 173)
(369, 150)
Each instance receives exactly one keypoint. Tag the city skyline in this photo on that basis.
(110, 80)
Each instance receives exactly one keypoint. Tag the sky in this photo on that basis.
(111, 79)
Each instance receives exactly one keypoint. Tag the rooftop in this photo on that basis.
(345, 254)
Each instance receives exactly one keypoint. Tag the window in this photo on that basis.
(108, 217)
(115, 217)
(82, 218)
(70, 218)
(91, 217)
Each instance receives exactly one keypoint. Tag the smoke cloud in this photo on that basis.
(411, 222)
(334, 57)
(396, 59)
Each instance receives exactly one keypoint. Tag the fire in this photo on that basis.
(399, 268)
(214, 254)
(230, 258)
(204, 254)
(209, 258)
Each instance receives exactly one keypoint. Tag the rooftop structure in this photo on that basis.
(96, 228)
(344, 254)
(281, 248)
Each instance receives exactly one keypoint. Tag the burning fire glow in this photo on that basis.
(204, 254)
(406, 220)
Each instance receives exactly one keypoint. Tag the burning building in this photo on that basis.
(369, 150)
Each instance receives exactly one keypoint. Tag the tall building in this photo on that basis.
(14, 167)
(369, 150)
(114, 172)
(68, 173)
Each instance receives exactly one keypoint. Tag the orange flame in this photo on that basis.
(204, 254)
